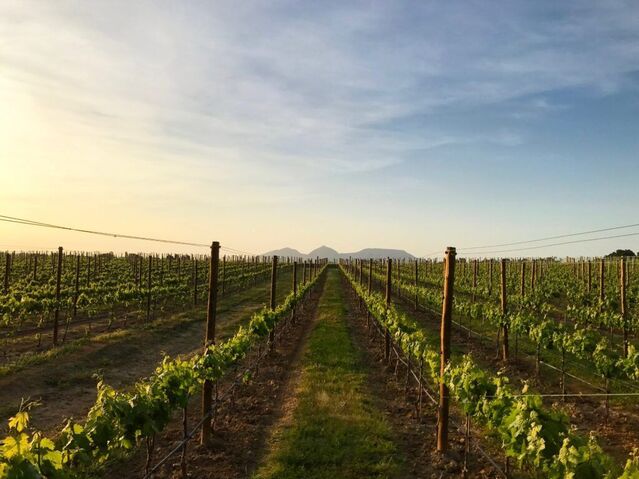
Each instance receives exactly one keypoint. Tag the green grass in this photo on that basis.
(336, 430)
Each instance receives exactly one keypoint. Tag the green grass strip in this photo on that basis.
(336, 430)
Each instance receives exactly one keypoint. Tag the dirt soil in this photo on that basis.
(66, 385)
(417, 433)
(242, 425)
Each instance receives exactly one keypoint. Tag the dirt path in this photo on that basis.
(66, 385)
(242, 425)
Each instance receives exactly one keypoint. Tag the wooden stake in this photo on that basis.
(271, 336)
(444, 352)
(223, 274)
(504, 308)
(7, 271)
(56, 313)
(416, 281)
(77, 286)
(389, 277)
(602, 279)
(622, 299)
(148, 289)
(209, 339)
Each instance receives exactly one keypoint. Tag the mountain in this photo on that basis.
(284, 252)
(379, 253)
(324, 252)
(331, 254)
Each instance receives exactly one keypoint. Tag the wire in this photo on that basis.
(550, 237)
(23, 221)
(12, 219)
(556, 244)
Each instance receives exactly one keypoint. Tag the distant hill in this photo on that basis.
(324, 252)
(331, 254)
(379, 253)
(293, 253)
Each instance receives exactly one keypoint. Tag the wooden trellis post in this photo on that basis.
(209, 339)
(444, 352)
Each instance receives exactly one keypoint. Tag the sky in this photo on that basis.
(411, 125)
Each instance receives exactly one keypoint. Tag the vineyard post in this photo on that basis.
(504, 309)
(7, 270)
(370, 289)
(148, 289)
(490, 277)
(387, 338)
(56, 313)
(77, 286)
(361, 279)
(294, 287)
(35, 266)
(209, 339)
(602, 279)
(304, 273)
(533, 276)
(223, 274)
(589, 276)
(271, 335)
(474, 280)
(416, 280)
(195, 279)
(444, 351)
(622, 299)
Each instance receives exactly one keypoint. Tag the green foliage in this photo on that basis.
(119, 420)
(536, 437)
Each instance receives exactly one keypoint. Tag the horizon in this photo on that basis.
(357, 123)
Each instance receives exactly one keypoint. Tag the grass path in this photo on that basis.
(335, 429)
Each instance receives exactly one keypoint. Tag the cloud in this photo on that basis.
(220, 101)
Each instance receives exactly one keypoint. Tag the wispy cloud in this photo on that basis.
(255, 92)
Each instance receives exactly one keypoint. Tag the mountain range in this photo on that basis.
(331, 254)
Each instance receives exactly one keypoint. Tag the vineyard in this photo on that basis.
(146, 366)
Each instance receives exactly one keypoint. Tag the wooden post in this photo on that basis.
(474, 282)
(271, 335)
(523, 279)
(622, 299)
(602, 279)
(56, 313)
(77, 286)
(195, 281)
(7, 271)
(416, 281)
(35, 266)
(444, 351)
(504, 309)
(589, 276)
(148, 288)
(209, 339)
(533, 276)
(387, 338)
(223, 274)
(490, 277)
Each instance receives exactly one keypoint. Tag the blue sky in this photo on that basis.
(355, 124)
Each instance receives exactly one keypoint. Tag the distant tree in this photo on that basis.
(619, 253)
